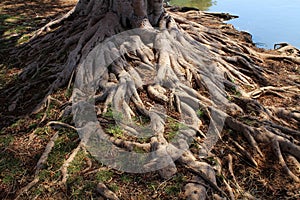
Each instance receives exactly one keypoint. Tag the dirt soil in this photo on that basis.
(23, 139)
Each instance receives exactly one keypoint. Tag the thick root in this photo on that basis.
(183, 78)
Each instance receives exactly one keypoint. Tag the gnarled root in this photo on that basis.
(177, 82)
(181, 77)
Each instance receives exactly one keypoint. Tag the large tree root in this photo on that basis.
(196, 69)
(185, 73)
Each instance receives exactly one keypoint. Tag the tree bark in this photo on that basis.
(132, 13)
(197, 73)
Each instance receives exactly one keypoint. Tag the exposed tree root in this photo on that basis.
(39, 166)
(48, 103)
(202, 170)
(188, 70)
(230, 169)
(229, 189)
(278, 154)
(106, 193)
(244, 152)
(285, 113)
(273, 90)
(59, 125)
(47, 28)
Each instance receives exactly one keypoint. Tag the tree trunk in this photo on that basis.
(170, 70)
(134, 13)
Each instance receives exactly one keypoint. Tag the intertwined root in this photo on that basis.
(185, 72)
(184, 69)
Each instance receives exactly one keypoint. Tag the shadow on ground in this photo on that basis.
(19, 18)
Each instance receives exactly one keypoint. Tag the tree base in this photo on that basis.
(214, 76)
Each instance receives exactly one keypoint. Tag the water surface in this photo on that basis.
(269, 21)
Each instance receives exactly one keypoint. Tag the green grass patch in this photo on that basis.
(126, 178)
(141, 120)
(5, 75)
(115, 131)
(49, 175)
(10, 18)
(78, 163)
(44, 175)
(68, 92)
(39, 190)
(176, 185)
(17, 26)
(104, 175)
(17, 30)
(200, 113)
(6, 140)
(24, 38)
(172, 190)
(113, 114)
(80, 188)
(63, 146)
(174, 128)
(11, 168)
(18, 124)
(139, 150)
(113, 187)
(152, 186)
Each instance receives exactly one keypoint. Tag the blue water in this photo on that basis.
(269, 21)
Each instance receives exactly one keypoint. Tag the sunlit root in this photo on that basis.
(202, 170)
(59, 125)
(244, 152)
(229, 189)
(52, 24)
(188, 76)
(287, 49)
(273, 90)
(230, 169)
(65, 165)
(279, 143)
(130, 146)
(194, 191)
(285, 113)
(105, 192)
(282, 162)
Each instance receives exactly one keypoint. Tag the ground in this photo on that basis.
(23, 141)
